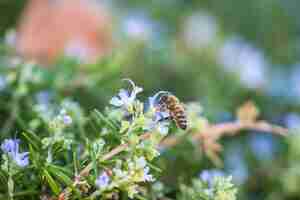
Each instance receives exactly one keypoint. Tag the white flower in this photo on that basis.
(124, 98)
(141, 162)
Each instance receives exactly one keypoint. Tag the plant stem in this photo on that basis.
(10, 186)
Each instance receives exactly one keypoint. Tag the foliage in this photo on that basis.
(61, 140)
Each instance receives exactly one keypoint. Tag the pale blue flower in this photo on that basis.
(159, 122)
(146, 176)
(126, 98)
(11, 147)
(102, 181)
(123, 98)
(208, 176)
(22, 159)
(67, 120)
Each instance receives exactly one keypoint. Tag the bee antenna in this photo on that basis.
(130, 81)
(161, 93)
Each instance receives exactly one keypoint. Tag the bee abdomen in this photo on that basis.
(181, 123)
(180, 117)
(176, 110)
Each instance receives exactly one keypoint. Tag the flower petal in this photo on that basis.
(124, 96)
(103, 180)
(163, 128)
(10, 146)
(116, 101)
(22, 159)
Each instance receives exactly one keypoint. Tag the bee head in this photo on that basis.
(163, 97)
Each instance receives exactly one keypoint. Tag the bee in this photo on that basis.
(174, 107)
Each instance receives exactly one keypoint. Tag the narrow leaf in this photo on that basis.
(33, 139)
(53, 185)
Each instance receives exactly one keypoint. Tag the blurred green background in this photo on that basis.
(218, 53)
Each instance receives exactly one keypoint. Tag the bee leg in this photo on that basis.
(166, 118)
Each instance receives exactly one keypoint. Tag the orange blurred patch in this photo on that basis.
(51, 28)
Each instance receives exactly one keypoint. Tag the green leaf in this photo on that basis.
(34, 157)
(101, 118)
(56, 172)
(58, 147)
(53, 185)
(61, 169)
(155, 168)
(33, 139)
(61, 174)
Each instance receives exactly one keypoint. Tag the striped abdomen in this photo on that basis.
(178, 114)
(176, 110)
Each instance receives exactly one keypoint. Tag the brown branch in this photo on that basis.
(214, 132)
(210, 135)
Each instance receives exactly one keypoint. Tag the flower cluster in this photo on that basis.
(126, 175)
(208, 176)
(126, 99)
(212, 185)
(152, 118)
(137, 118)
(11, 148)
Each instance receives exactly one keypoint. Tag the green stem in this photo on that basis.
(10, 186)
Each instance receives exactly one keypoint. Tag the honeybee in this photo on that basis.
(174, 107)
